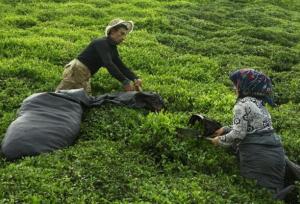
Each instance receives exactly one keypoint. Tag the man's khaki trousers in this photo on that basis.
(76, 75)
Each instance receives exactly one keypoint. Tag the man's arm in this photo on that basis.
(128, 73)
(124, 69)
(104, 51)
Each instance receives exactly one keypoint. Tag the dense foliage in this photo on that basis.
(183, 50)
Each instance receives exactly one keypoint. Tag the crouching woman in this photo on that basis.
(261, 152)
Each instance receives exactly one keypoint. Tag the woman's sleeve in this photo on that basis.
(239, 126)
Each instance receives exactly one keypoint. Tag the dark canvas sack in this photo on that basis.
(209, 126)
(49, 121)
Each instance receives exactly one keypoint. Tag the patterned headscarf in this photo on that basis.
(250, 82)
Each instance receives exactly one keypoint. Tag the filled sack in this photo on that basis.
(49, 121)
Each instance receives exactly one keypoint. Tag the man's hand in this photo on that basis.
(138, 84)
(128, 87)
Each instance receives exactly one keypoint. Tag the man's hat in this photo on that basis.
(115, 22)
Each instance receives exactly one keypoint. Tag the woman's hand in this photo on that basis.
(218, 132)
(216, 141)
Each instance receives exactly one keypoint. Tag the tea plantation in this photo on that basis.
(183, 50)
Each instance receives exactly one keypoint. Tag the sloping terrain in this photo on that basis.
(183, 50)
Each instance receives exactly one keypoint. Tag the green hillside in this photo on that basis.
(183, 50)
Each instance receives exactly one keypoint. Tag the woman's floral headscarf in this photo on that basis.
(250, 82)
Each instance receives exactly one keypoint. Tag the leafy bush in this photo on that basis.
(21, 21)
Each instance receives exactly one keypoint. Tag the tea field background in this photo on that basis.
(183, 50)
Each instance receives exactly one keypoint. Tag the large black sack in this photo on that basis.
(132, 99)
(49, 121)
